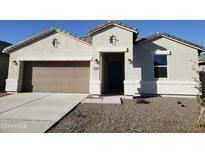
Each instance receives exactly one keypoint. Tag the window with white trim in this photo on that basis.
(160, 66)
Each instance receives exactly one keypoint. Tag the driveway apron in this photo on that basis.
(35, 112)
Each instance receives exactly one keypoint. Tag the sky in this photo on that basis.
(13, 31)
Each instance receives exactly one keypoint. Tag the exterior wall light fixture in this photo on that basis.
(97, 61)
(113, 40)
(55, 43)
(15, 62)
(130, 61)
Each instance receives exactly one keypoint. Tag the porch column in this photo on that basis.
(15, 77)
(95, 69)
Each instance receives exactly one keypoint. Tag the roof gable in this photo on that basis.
(173, 38)
(43, 34)
(112, 23)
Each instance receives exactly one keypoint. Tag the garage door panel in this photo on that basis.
(60, 89)
(57, 77)
(62, 82)
(61, 72)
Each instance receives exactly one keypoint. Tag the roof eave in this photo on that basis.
(155, 36)
(51, 30)
(21, 43)
(91, 32)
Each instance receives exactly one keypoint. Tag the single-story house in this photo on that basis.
(4, 65)
(111, 59)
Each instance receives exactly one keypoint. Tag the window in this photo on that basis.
(160, 66)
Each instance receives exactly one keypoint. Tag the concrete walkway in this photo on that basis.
(105, 99)
(35, 112)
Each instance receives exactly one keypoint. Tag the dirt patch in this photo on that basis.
(155, 115)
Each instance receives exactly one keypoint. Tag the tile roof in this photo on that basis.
(6, 47)
(50, 31)
(3, 45)
(109, 23)
(154, 36)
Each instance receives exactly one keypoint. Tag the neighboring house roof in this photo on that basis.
(40, 35)
(166, 35)
(112, 23)
(3, 45)
(201, 59)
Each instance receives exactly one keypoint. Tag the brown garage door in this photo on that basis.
(60, 77)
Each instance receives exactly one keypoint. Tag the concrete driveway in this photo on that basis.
(35, 112)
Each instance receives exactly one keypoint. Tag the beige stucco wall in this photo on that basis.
(69, 49)
(125, 40)
(4, 62)
(180, 63)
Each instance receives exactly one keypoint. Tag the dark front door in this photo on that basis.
(115, 76)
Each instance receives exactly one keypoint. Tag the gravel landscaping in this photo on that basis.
(154, 115)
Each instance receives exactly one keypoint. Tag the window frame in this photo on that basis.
(161, 66)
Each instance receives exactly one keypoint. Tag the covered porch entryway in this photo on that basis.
(112, 73)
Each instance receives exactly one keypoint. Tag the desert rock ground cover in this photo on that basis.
(159, 115)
